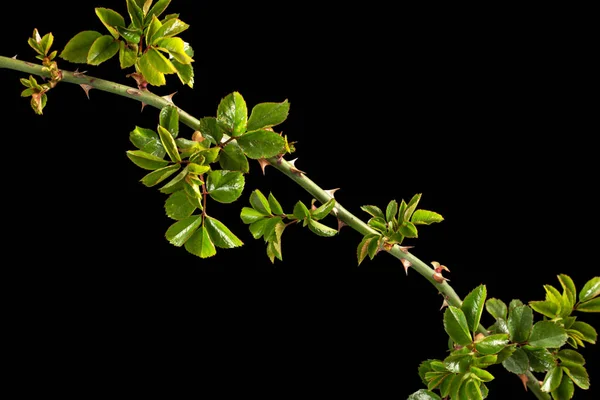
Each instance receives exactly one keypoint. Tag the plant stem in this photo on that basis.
(282, 165)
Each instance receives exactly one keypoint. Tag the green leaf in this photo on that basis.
(274, 205)
(547, 308)
(178, 206)
(233, 158)
(157, 9)
(472, 390)
(185, 72)
(589, 306)
(260, 203)
(391, 210)
(554, 296)
(540, 359)
(513, 304)
(373, 210)
(135, 13)
(250, 215)
(200, 244)
(568, 288)
(132, 36)
(169, 28)
(77, 49)
(363, 246)
(320, 229)
(168, 143)
(456, 386)
(28, 92)
(378, 223)
(571, 356)
(104, 48)
(111, 19)
(588, 333)
(425, 217)
(552, 379)
(547, 334)
(225, 186)
(301, 211)
(485, 361)
(269, 233)
(175, 184)
(261, 144)
(127, 55)
(492, 344)
(210, 155)
(191, 187)
(46, 43)
(211, 130)
(409, 230)
(497, 308)
(520, 322)
(169, 119)
(152, 75)
(482, 374)
(232, 114)
(274, 246)
(147, 140)
(473, 306)
(578, 374)
(159, 61)
(565, 390)
(425, 367)
(198, 169)
(323, 210)
(145, 5)
(266, 115)
(181, 231)
(412, 206)
(517, 363)
(505, 354)
(156, 177)
(146, 160)
(590, 290)
(456, 326)
(220, 235)
(458, 363)
(176, 48)
(151, 30)
(423, 395)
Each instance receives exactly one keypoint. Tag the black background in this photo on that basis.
(486, 112)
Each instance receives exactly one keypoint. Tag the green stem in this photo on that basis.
(285, 167)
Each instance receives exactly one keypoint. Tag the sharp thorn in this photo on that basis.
(86, 89)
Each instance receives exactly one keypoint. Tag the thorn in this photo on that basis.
(197, 137)
(15, 57)
(263, 164)
(404, 249)
(341, 224)
(524, 379)
(439, 278)
(133, 92)
(312, 204)
(444, 304)
(294, 169)
(78, 74)
(438, 267)
(169, 97)
(406, 264)
(143, 105)
(388, 246)
(335, 211)
(86, 89)
(331, 192)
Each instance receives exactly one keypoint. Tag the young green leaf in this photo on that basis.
(425, 217)
(456, 326)
(159, 175)
(391, 210)
(77, 49)
(152, 75)
(590, 306)
(547, 308)
(46, 43)
(191, 188)
(473, 306)
(159, 61)
(323, 210)
(565, 390)
(177, 206)
(169, 119)
(423, 394)
(146, 160)
(547, 334)
(554, 296)
(176, 48)
(275, 206)
(412, 206)
(540, 359)
(200, 244)
(378, 224)
(220, 235)
(409, 230)
(175, 184)
(257, 228)
(520, 322)
(260, 203)
(181, 231)
(261, 144)
(232, 114)
(250, 215)
(578, 374)
(552, 379)
(301, 211)
(233, 158)
(169, 28)
(320, 229)
(151, 30)
(482, 375)
(266, 115)
(517, 363)
(135, 13)
(373, 210)
(425, 367)
(590, 290)
(363, 246)
(492, 344)
(169, 144)
(156, 10)
(588, 333)
(568, 288)
(209, 155)
(127, 55)
(269, 233)
(132, 36)
(225, 186)
(147, 140)
(198, 169)
(111, 19)
(104, 48)
(472, 390)
(497, 308)
(185, 73)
